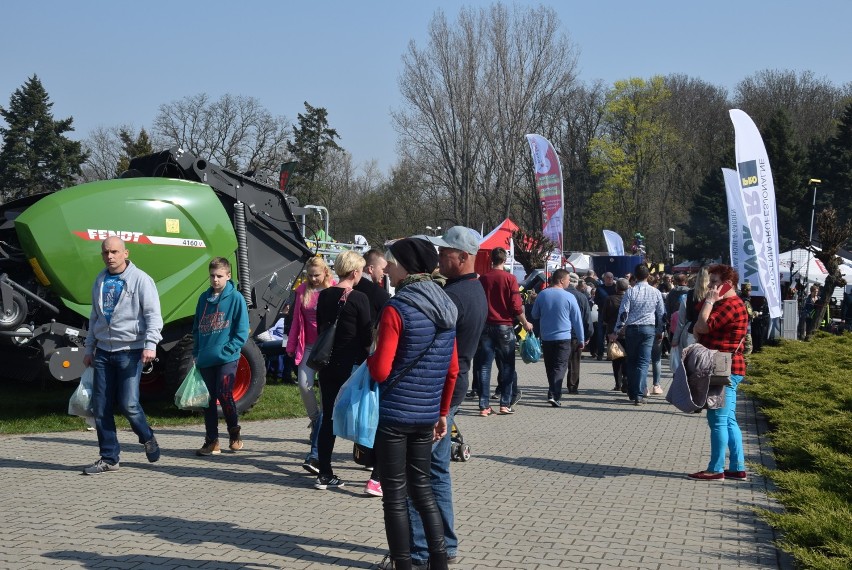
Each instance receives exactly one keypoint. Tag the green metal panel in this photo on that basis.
(172, 229)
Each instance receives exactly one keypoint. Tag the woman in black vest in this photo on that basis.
(416, 365)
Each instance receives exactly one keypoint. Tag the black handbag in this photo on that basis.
(324, 346)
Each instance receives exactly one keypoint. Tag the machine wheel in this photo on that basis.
(251, 372)
(465, 452)
(251, 378)
(17, 313)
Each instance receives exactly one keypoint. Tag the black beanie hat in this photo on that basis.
(415, 255)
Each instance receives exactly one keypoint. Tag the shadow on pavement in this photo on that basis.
(95, 560)
(189, 532)
(581, 469)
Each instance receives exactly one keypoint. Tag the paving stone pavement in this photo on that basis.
(596, 484)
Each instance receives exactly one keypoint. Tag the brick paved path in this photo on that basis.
(597, 484)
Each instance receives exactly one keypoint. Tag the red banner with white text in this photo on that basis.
(548, 182)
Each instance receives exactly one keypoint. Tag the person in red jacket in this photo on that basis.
(498, 337)
(416, 365)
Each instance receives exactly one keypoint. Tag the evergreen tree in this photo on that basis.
(36, 156)
(707, 228)
(836, 168)
(787, 160)
(131, 148)
(312, 140)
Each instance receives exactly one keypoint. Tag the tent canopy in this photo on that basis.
(687, 267)
(807, 267)
(501, 236)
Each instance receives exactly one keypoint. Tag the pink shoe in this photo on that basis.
(373, 488)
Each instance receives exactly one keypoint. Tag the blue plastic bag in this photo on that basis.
(356, 408)
(193, 393)
(531, 349)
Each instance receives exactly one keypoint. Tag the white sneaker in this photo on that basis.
(657, 390)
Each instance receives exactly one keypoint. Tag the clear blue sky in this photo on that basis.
(108, 63)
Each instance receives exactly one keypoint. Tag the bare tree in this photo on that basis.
(813, 104)
(104, 148)
(235, 131)
(473, 93)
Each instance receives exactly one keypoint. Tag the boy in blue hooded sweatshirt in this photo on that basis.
(220, 330)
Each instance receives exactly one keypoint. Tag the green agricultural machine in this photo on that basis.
(175, 212)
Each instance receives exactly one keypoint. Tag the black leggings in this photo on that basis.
(331, 378)
(404, 455)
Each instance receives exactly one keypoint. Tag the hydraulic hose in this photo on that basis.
(242, 251)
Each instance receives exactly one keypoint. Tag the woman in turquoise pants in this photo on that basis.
(722, 325)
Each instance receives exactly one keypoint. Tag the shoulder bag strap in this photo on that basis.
(399, 376)
(341, 303)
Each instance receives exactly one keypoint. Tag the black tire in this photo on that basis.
(17, 313)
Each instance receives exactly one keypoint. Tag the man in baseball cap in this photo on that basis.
(458, 237)
(457, 257)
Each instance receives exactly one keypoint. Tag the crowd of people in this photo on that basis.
(428, 346)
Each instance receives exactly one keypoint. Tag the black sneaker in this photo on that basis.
(100, 466)
(324, 482)
(516, 398)
(311, 466)
(152, 450)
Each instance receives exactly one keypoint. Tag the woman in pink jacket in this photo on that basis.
(300, 340)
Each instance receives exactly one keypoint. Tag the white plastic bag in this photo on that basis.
(80, 403)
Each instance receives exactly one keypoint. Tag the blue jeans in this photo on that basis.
(725, 432)
(640, 340)
(116, 380)
(657, 360)
(497, 341)
(443, 491)
(220, 383)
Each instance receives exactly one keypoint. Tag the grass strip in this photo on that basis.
(805, 391)
(42, 408)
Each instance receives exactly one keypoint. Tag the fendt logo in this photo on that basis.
(100, 235)
(748, 173)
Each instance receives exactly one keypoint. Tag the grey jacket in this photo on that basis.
(136, 321)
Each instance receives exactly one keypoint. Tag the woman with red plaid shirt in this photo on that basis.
(722, 325)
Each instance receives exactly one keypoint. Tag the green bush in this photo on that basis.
(805, 391)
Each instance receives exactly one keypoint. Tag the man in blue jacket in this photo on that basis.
(562, 329)
(124, 329)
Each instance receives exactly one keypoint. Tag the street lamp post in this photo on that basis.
(671, 248)
(812, 182)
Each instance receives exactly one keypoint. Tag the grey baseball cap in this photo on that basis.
(458, 237)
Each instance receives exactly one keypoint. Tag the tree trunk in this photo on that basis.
(827, 292)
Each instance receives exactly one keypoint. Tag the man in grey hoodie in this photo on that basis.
(124, 329)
